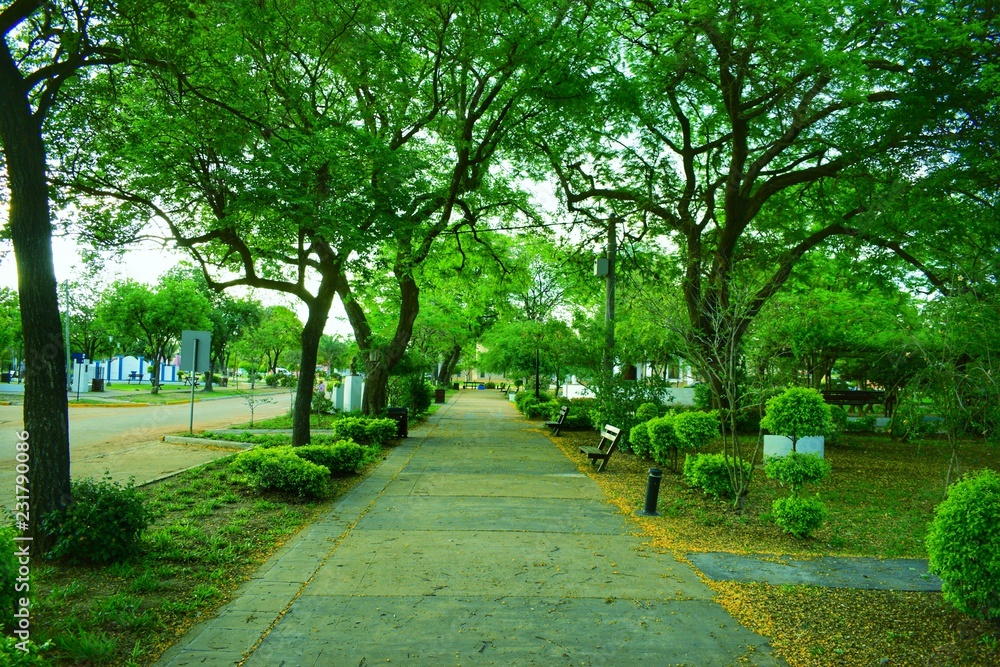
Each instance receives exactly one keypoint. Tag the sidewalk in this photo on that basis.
(477, 542)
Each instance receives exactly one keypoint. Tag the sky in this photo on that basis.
(146, 264)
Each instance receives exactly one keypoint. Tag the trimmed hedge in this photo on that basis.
(963, 544)
(709, 473)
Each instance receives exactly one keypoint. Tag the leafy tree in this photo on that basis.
(328, 161)
(747, 135)
(154, 318)
(45, 45)
(10, 327)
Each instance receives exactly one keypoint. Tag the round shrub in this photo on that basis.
(697, 429)
(379, 431)
(342, 458)
(795, 470)
(647, 411)
(798, 516)
(797, 412)
(638, 438)
(963, 544)
(271, 380)
(663, 441)
(250, 461)
(838, 417)
(351, 428)
(710, 473)
(8, 575)
(103, 522)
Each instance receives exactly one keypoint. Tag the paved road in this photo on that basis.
(477, 542)
(126, 441)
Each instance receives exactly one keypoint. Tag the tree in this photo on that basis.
(155, 318)
(45, 44)
(747, 135)
(356, 163)
(10, 328)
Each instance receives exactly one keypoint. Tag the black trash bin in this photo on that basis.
(439, 395)
(97, 384)
(402, 420)
(5, 377)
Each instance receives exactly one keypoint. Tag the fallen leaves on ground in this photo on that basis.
(880, 498)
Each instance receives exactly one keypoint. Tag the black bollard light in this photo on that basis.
(652, 492)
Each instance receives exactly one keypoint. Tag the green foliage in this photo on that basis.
(648, 411)
(638, 438)
(710, 473)
(8, 575)
(798, 412)
(703, 396)
(280, 469)
(663, 441)
(963, 544)
(617, 401)
(103, 523)
(838, 417)
(579, 413)
(864, 424)
(797, 515)
(321, 405)
(342, 458)
(379, 431)
(412, 392)
(795, 470)
(696, 429)
(271, 380)
(352, 428)
(12, 656)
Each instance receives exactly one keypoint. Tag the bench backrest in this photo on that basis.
(563, 411)
(861, 396)
(609, 436)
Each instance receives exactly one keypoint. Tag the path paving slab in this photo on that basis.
(829, 571)
(477, 542)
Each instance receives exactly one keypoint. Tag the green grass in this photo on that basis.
(209, 535)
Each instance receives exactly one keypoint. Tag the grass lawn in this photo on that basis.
(880, 497)
(210, 535)
(174, 393)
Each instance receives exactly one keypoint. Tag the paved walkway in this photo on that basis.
(477, 542)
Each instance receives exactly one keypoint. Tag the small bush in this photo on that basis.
(963, 544)
(103, 522)
(321, 405)
(710, 473)
(284, 471)
(12, 656)
(8, 576)
(271, 380)
(864, 424)
(342, 458)
(663, 441)
(249, 462)
(533, 410)
(648, 411)
(695, 430)
(798, 412)
(838, 416)
(638, 438)
(491, 385)
(379, 431)
(798, 516)
(352, 428)
(415, 394)
(795, 470)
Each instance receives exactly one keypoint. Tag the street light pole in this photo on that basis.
(609, 299)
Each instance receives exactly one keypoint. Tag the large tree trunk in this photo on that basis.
(311, 333)
(46, 417)
(448, 367)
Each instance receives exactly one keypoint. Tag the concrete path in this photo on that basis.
(477, 542)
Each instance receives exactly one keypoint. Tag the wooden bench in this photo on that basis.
(560, 420)
(605, 448)
(472, 384)
(861, 402)
(503, 388)
(134, 376)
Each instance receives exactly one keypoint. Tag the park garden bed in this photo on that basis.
(880, 495)
(209, 535)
